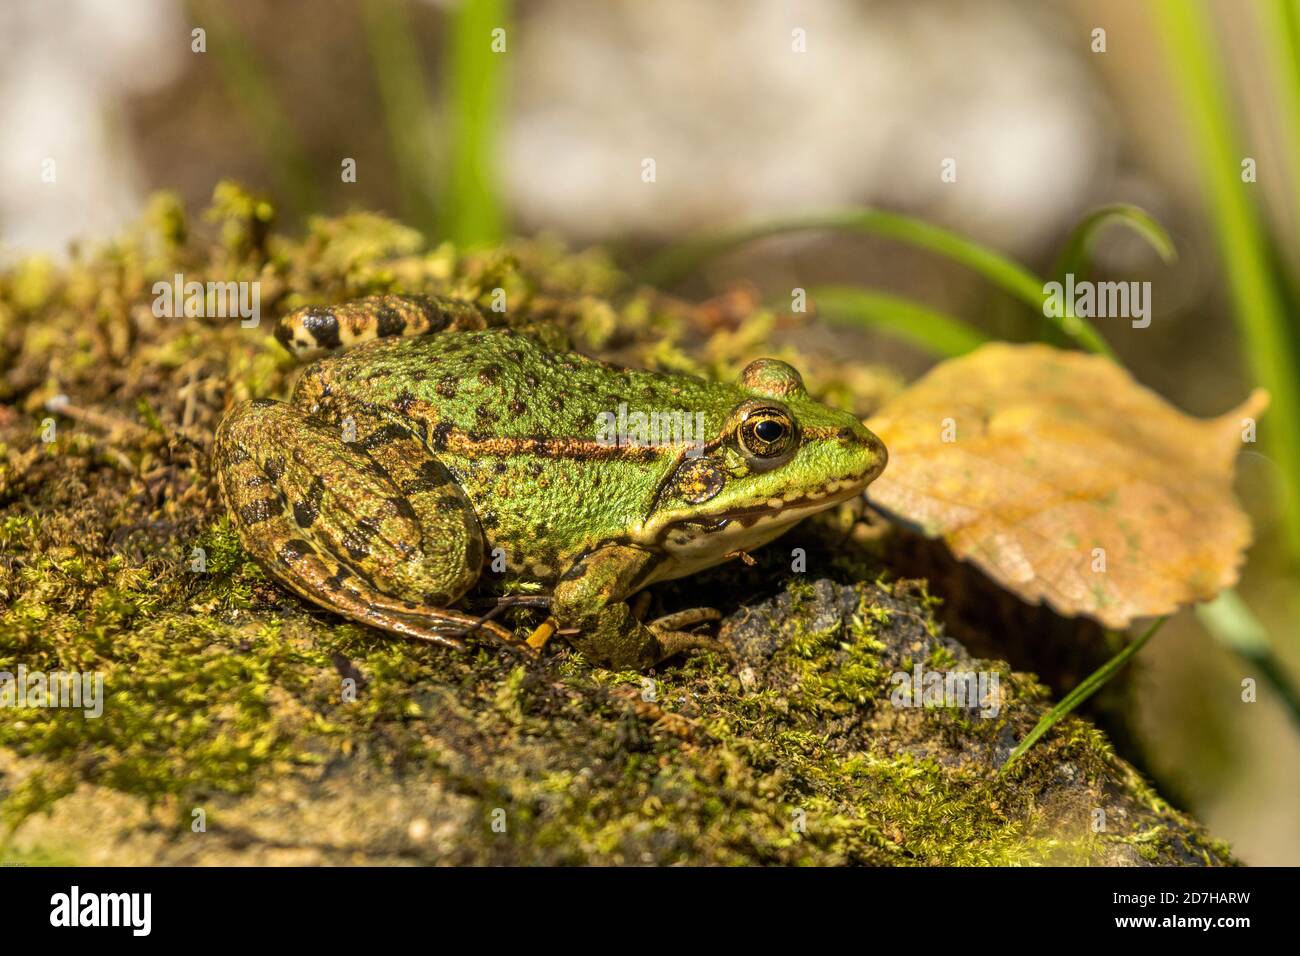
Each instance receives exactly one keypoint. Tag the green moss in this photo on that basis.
(294, 730)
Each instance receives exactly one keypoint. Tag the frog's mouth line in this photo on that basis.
(774, 509)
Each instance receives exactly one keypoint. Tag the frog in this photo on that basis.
(427, 448)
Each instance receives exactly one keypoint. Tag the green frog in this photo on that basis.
(433, 449)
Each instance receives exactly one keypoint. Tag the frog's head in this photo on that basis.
(777, 457)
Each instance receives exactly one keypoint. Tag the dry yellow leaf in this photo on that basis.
(1066, 481)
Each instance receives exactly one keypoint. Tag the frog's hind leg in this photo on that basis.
(375, 530)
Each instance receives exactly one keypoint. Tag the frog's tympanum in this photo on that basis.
(439, 450)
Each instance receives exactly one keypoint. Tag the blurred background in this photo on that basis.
(477, 120)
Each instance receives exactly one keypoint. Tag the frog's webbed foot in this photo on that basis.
(373, 529)
(613, 637)
(590, 610)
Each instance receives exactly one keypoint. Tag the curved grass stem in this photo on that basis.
(1006, 273)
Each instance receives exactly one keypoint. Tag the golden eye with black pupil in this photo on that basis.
(766, 433)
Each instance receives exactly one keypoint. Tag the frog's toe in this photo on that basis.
(683, 619)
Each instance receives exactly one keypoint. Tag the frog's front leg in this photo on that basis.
(374, 529)
(591, 597)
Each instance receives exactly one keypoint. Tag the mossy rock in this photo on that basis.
(242, 726)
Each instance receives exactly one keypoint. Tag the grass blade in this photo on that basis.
(475, 84)
(936, 332)
(1087, 687)
(682, 258)
(268, 123)
(408, 115)
(1075, 258)
(1007, 274)
(1231, 622)
(1258, 302)
(1280, 20)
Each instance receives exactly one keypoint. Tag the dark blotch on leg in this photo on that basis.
(382, 436)
(304, 514)
(324, 328)
(402, 508)
(416, 486)
(308, 510)
(259, 511)
(438, 439)
(405, 402)
(356, 548)
(293, 550)
(390, 322)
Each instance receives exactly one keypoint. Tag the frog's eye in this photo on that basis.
(766, 433)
